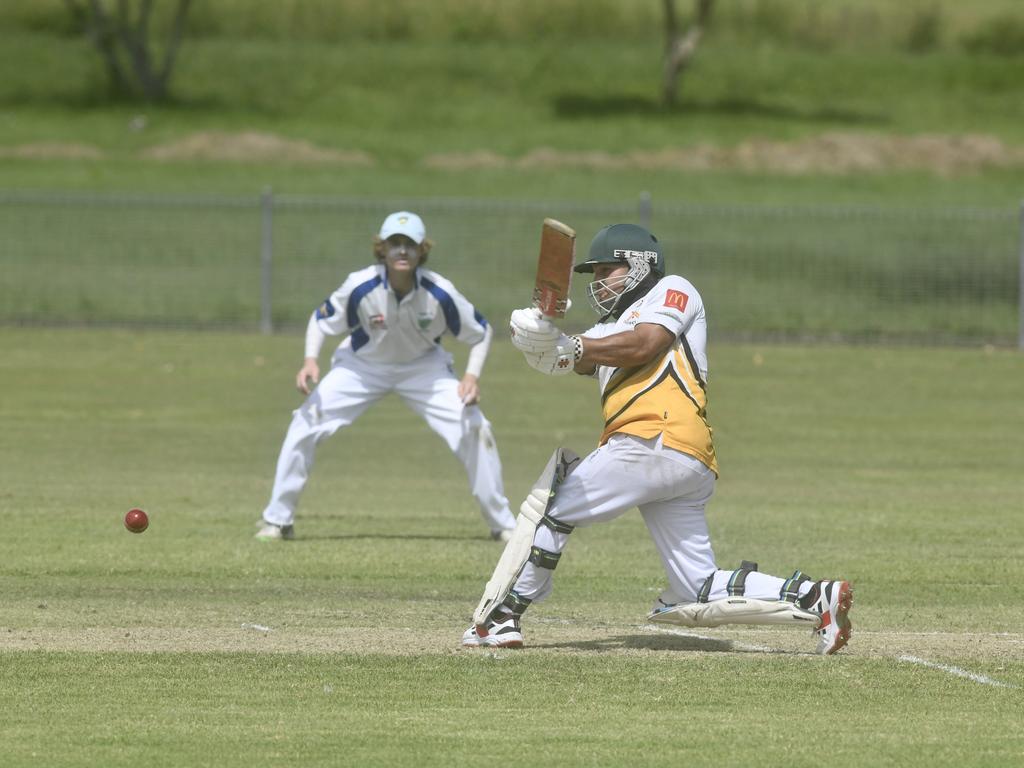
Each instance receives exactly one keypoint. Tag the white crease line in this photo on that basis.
(257, 627)
(958, 672)
(1012, 636)
(694, 635)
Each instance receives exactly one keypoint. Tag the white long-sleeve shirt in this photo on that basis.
(382, 329)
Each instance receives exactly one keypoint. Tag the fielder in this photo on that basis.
(395, 314)
(648, 354)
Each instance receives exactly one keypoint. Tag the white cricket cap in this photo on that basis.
(404, 223)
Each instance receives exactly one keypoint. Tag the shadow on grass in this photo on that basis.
(585, 106)
(679, 643)
(385, 537)
(90, 99)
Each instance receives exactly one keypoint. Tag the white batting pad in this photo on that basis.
(735, 610)
(517, 550)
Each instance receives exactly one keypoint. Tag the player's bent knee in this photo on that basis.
(543, 558)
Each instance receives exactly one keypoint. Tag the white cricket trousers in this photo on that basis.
(671, 490)
(429, 387)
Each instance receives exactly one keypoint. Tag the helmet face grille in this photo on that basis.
(612, 288)
(616, 287)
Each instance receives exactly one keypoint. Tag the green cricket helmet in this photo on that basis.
(621, 244)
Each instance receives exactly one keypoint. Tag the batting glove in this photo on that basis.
(532, 332)
(559, 360)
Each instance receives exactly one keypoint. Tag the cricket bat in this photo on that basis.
(554, 268)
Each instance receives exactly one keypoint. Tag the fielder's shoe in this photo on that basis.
(271, 532)
(832, 601)
(503, 535)
(502, 632)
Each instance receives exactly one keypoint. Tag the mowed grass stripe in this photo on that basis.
(244, 709)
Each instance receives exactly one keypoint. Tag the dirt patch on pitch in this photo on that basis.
(253, 146)
(828, 153)
(547, 636)
(834, 153)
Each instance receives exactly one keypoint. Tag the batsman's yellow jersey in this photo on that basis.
(667, 396)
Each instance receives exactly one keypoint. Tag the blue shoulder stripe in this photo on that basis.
(451, 313)
(359, 336)
(359, 339)
(352, 308)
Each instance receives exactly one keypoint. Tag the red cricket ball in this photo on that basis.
(136, 521)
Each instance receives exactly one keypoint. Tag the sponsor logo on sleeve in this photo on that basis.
(676, 299)
(325, 310)
(377, 321)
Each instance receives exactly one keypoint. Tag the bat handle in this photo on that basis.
(550, 307)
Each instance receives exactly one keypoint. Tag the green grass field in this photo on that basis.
(191, 644)
(898, 468)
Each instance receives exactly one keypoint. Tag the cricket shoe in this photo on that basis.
(271, 532)
(832, 601)
(502, 535)
(502, 632)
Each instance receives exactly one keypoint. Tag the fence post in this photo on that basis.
(644, 209)
(266, 258)
(1020, 284)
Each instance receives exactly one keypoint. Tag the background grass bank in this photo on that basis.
(468, 117)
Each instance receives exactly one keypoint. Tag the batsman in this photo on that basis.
(648, 353)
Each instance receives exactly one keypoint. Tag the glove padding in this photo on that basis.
(545, 347)
(557, 361)
(531, 332)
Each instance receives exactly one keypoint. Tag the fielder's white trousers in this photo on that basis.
(429, 387)
(670, 488)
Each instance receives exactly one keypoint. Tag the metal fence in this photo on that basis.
(265, 261)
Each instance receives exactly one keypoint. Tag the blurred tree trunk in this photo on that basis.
(120, 30)
(680, 48)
